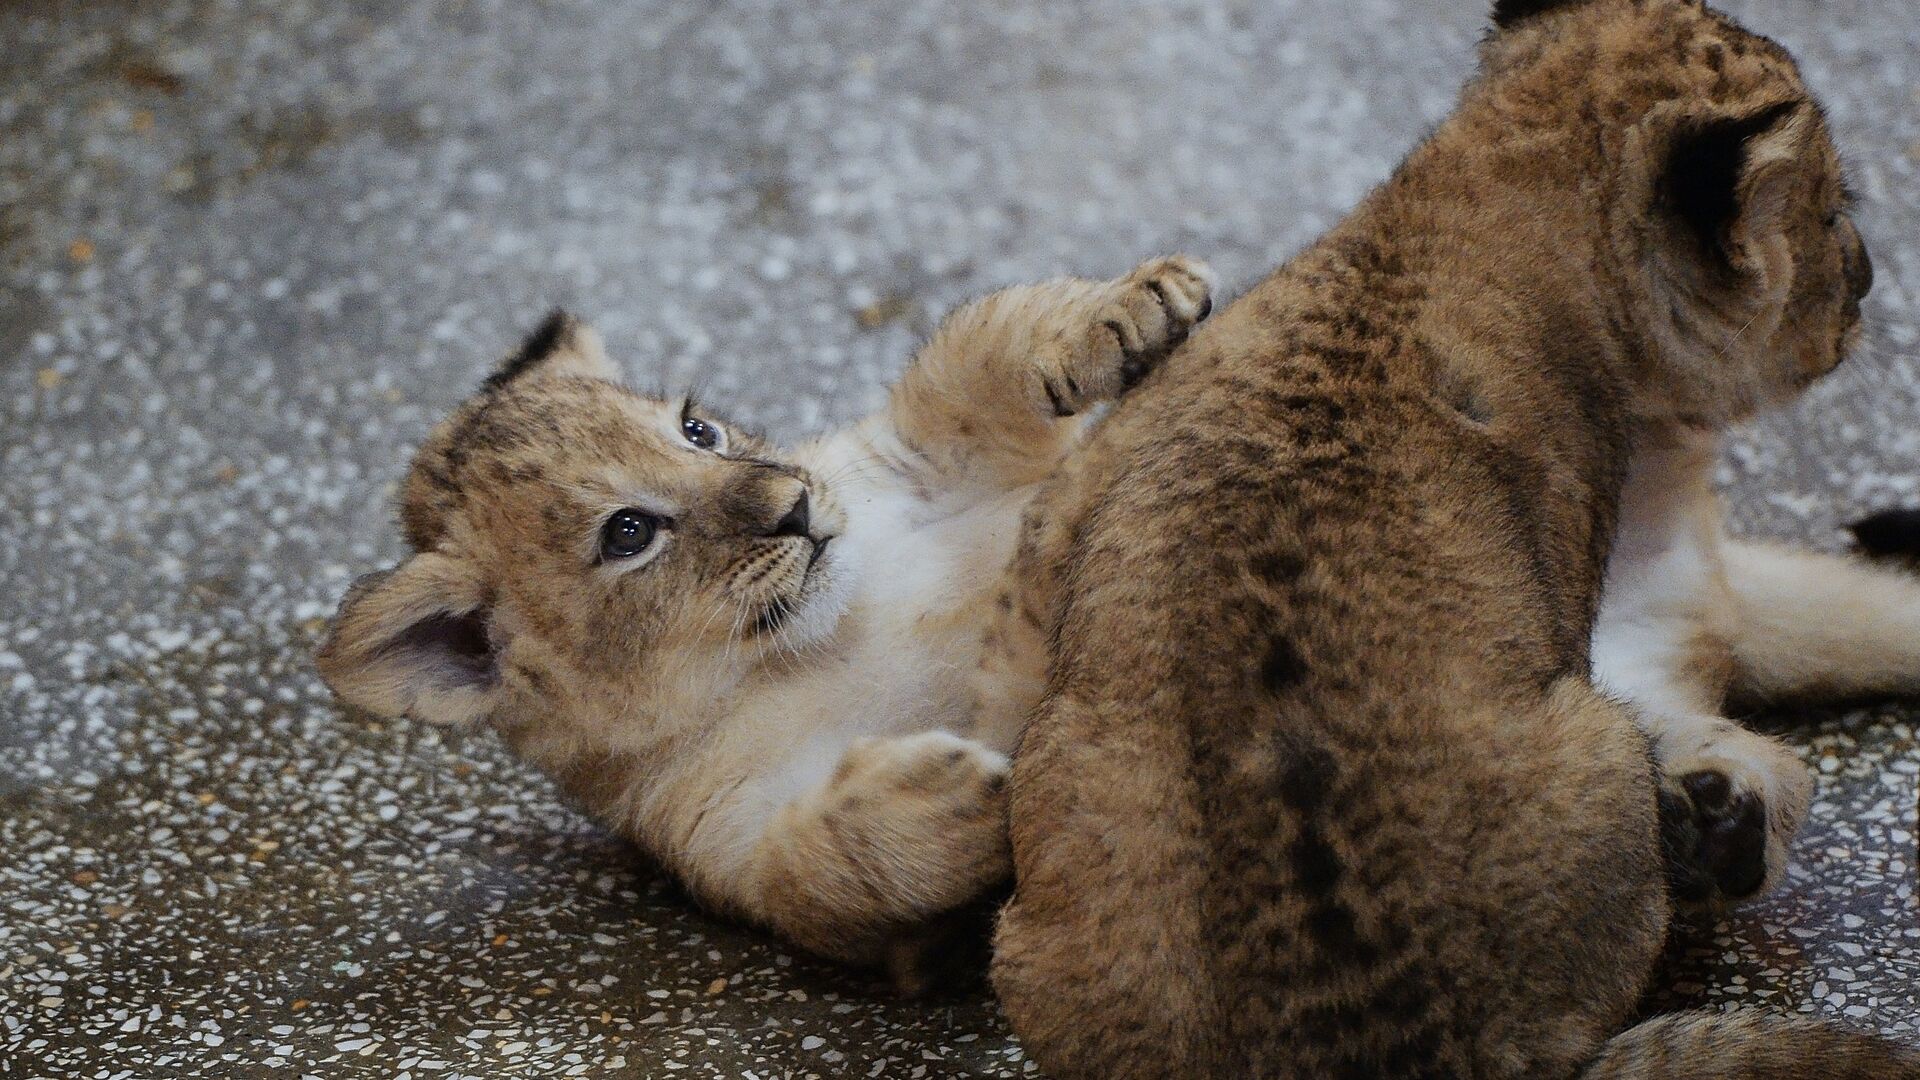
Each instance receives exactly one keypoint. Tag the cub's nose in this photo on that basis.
(1862, 274)
(798, 519)
(1857, 263)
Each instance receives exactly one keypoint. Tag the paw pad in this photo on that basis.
(1715, 837)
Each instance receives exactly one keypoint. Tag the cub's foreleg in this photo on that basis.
(989, 403)
(1731, 799)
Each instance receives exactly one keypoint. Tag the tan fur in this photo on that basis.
(1319, 786)
(783, 714)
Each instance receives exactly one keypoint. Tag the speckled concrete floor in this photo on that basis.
(250, 251)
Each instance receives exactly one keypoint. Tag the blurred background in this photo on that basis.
(249, 252)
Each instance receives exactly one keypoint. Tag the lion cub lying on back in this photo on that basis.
(758, 666)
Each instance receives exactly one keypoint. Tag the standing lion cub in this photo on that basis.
(760, 667)
(1320, 785)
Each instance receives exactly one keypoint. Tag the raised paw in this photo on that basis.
(1124, 331)
(1727, 816)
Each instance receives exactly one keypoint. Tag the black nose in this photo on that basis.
(797, 520)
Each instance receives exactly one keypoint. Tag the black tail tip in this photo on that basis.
(1889, 533)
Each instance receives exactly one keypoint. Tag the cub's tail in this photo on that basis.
(1749, 1046)
(1889, 533)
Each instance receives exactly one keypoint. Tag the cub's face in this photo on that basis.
(1832, 275)
(578, 539)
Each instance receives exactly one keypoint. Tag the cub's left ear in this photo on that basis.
(1725, 179)
(417, 640)
(560, 346)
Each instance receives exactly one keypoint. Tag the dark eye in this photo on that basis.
(700, 433)
(627, 533)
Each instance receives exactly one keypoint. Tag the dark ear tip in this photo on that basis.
(1888, 533)
(1509, 13)
(553, 332)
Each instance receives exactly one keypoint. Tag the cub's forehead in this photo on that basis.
(554, 442)
(558, 421)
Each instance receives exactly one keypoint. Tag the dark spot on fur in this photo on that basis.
(1316, 866)
(1277, 567)
(1413, 1054)
(1330, 1024)
(1332, 927)
(437, 477)
(1307, 780)
(1467, 400)
(1406, 997)
(1283, 667)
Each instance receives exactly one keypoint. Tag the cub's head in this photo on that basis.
(1727, 211)
(579, 547)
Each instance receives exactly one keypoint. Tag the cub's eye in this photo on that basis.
(700, 433)
(627, 533)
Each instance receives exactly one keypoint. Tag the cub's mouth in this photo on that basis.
(782, 609)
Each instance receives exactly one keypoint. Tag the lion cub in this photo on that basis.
(759, 666)
(1320, 785)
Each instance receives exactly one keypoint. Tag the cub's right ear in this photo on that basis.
(415, 641)
(560, 346)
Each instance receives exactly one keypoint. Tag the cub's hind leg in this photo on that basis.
(1811, 626)
(907, 830)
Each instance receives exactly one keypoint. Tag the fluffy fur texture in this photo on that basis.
(1320, 785)
(759, 666)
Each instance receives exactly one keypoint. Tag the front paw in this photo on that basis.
(930, 813)
(1128, 329)
(1727, 816)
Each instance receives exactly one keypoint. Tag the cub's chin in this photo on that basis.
(811, 612)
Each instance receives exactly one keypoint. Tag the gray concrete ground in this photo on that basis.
(250, 252)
